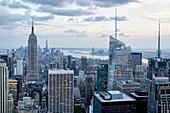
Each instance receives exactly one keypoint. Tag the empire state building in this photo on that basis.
(33, 73)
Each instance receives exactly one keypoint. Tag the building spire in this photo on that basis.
(159, 49)
(32, 26)
(116, 23)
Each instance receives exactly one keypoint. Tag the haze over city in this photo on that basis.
(84, 24)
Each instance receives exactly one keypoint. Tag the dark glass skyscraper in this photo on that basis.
(102, 76)
(33, 74)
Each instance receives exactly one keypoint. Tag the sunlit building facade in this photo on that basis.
(60, 91)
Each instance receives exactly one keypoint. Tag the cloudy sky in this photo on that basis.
(84, 23)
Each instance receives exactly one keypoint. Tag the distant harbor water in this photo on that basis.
(79, 54)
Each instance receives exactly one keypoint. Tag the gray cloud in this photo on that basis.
(111, 3)
(164, 17)
(84, 3)
(8, 18)
(104, 3)
(10, 21)
(76, 33)
(103, 35)
(55, 3)
(123, 35)
(43, 18)
(119, 18)
(14, 5)
(88, 19)
(103, 18)
(71, 19)
(64, 12)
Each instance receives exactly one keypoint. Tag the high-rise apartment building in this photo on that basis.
(3, 87)
(33, 73)
(60, 91)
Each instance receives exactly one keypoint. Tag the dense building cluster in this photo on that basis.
(41, 80)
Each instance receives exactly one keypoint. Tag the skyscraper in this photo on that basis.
(84, 63)
(69, 57)
(33, 74)
(157, 66)
(3, 87)
(60, 91)
(102, 76)
(136, 60)
(120, 62)
(159, 95)
(89, 88)
(46, 49)
(20, 67)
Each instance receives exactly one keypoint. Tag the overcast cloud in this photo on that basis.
(14, 5)
(64, 12)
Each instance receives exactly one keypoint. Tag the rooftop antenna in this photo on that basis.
(32, 26)
(159, 49)
(116, 23)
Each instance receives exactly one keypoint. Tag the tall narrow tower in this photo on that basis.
(116, 23)
(159, 48)
(33, 74)
(46, 46)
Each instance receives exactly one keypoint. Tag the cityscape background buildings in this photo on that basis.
(47, 79)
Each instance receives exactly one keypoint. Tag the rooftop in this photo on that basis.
(125, 98)
(161, 79)
(114, 92)
(141, 96)
(55, 71)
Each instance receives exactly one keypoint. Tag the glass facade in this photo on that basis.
(102, 76)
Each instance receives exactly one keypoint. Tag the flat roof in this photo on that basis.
(125, 98)
(62, 71)
(134, 94)
(114, 92)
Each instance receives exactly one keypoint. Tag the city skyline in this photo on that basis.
(88, 24)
